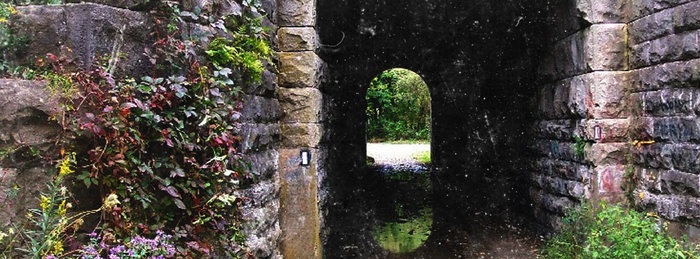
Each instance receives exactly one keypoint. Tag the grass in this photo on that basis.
(422, 157)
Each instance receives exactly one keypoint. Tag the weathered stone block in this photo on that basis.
(263, 164)
(556, 204)
(612, 130)
(301, 105)
(30, 182)
(85, 33)
(260, 109)
(672, 207)
(670, 102)
(608, 92)
(564, 169)
(260, 213)
(545, 99)
(686, 17)
(604, 47)
(609, 182)
(607, 153)
(256, 137)
(684, 157)
(651, 27)
(301, 134)
(299, 69)
(299, 219)
(126, 4)
(553, 149)
(296, 39)
(296, 13)
(606, 11)
(556, 129)
(679, 183)
(675, 74)
(664, 49)
(563, 187)
(26, 109)
(570, 56)
(640, 55)
(690, 44)
(677, 129)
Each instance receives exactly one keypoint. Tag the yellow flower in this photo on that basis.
(62, 208)
(3, 20)
(111, 201)
(64, 166)
(44, 202)
(12, 10)
(57, 248)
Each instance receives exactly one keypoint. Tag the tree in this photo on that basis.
(398, 107)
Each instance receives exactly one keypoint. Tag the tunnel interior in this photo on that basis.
(480, 60)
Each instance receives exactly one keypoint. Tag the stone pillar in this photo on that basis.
(301, 128)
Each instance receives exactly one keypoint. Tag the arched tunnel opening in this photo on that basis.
(480, 59)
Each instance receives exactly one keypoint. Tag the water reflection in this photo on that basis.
(405, 236)
(405, 215)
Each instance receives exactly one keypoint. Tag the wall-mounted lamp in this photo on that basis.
(305, 156)
(597, 133)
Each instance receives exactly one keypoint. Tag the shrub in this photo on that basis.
(613, 232)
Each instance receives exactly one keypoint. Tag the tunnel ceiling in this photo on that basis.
(427, 36)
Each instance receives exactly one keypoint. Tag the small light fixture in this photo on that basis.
(597, 133)
(305, 156)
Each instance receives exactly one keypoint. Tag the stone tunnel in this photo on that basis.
(537, 106)
(514, 85)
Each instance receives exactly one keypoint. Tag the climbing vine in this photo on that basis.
(164, 147)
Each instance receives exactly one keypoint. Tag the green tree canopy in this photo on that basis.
(398, 107)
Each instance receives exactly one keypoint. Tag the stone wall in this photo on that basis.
(664, 45)
(86, 32)
(26, 128)
(585, 79)
(629, 71)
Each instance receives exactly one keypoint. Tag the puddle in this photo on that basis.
(405, 215)
(405, 235)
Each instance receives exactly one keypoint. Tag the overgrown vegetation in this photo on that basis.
(611, 231)
(398, 107)
(162, 148)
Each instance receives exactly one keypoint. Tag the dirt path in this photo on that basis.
(385, 153)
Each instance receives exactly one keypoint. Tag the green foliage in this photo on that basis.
(398, 107)
(422, 157)
(247, 53)
(579, 147)
(613, 232)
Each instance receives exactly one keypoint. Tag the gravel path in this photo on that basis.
(395, 154)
